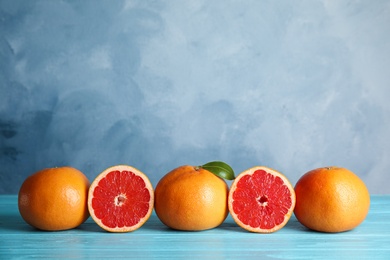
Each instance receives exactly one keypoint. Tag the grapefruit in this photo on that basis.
(121, 199)
(54, 199)
(261, 200)
(331, 199)
(192, 198)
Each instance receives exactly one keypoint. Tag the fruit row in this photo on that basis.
(194, 198)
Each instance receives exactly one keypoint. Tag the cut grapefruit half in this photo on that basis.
(261, 200)
(121, 199)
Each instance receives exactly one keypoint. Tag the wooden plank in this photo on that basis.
(371, 240)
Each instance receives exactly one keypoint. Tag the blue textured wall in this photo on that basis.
(293, 85)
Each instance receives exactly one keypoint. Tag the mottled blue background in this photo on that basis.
(293, 85)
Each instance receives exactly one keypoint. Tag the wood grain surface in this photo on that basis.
(371, 240)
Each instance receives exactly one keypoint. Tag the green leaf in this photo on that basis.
(220, 169)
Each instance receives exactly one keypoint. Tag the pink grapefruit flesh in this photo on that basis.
(121, 199)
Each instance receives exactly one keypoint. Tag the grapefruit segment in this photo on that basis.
(121, 199)
(261, 200)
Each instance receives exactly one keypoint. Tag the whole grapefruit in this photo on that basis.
(54, 199)
(191, 198)
(331, 199)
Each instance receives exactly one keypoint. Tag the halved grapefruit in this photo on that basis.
(121, 199)
(261, 200)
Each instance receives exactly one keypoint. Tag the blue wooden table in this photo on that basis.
(371, 240)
